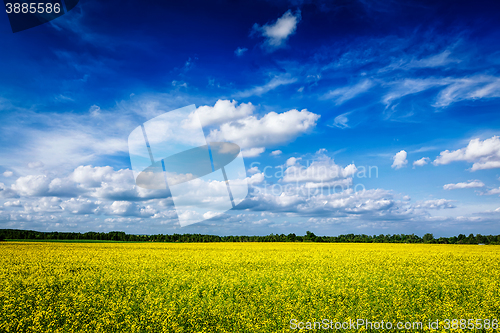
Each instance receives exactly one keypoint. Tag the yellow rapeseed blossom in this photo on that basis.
(246, 287)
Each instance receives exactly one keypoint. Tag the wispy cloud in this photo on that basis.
(341, 95)
(274, 83)
(278, 32)
(240, 51)
(469, 88)
(341, 121)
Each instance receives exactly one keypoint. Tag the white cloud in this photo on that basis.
(336, 185)
(223, 111)
(123, 208)
(90, 176)
(400, 160)
(6, 192)
(492, 192)
(276, 153)
(344, 94)
(35, 165)
(278, 32)
(32, 185)
(240, 51)
(323, 169)
(14, 203)
(275, 82)
(63, 141)
(421, 162)
(272, 129)
(467, 88)
(469, 184)
(253, 170)
(179, 84)
(127, 208)
(345, 203)
(435, 204)
(484, 154)
(255, 179)
(8, 174)
(341, 121)
(43, 205)
(98, 182)
(453, 89)
(81, 206)
(436, 60)
(292, 160)
(95, 110)
(253, 152)
(412, 86)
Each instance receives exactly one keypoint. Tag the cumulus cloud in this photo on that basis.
(292, 160)
(8, 174)
(271, 129)
(483, 154)
(92, 176)
(492, 191)
(276, 153)
(32, 185)
(435, 204)
(253, 170)
(222, 112)
(81, 206)
(98, 182)
(6, 192)
(400, 160)
(43, 205)
(14, 203)
(323, 169)
(469, 184)
(277, 33)
(253, 152)
(421, 162)
(345, 203)
(127, 208)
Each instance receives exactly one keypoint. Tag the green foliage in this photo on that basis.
(428, 238)
(120, 236)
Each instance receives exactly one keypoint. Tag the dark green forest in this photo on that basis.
(14, 234)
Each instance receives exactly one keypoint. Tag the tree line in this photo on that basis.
(7, 234)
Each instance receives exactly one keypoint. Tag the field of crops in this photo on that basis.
(243, 287)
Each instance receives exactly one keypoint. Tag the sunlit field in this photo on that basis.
(244, 287)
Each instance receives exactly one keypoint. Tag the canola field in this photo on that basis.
(247, 287)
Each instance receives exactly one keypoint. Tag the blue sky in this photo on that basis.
(409, 90)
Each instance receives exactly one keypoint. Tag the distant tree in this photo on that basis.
(480, 239)
(428, 238)
(310, 237)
